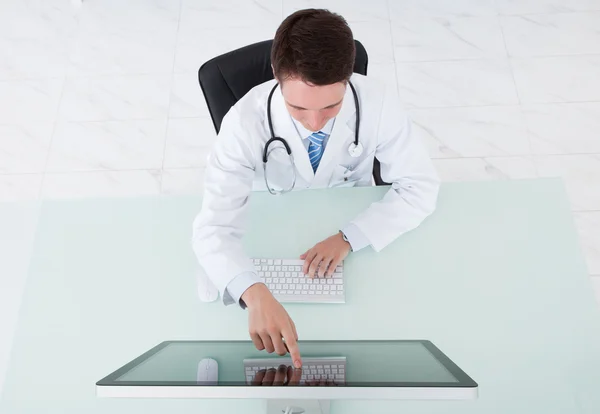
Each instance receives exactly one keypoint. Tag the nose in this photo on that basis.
(316, 120)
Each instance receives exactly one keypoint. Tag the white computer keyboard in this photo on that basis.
(285, 280)
(313, 369)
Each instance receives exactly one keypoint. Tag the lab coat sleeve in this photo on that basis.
(239, 284)
(407, 166)
(219, 227)
(356, 238)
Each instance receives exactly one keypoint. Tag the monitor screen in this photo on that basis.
(346, 363)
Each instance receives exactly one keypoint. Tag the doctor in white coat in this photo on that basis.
(313, 108)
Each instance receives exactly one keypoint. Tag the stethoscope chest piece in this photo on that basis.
(355, 150)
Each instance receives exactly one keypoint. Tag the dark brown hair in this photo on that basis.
(315, 45)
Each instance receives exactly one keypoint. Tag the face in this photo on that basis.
(312, 106)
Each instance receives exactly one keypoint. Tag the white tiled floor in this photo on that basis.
(104, 99)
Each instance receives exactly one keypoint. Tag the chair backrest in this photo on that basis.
(228, 77)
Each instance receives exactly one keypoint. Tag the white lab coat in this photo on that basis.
(235, 168)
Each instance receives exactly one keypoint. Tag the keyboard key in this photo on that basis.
(277, 261)
(297, 292)
(338, 276)
(290, 292)
(326, 287)
(292, 262)
(295, 280)
(311, 292)
(284, 268)
(339, 377)
(278, 268)
(339, 269)
(330, 281)
(319, 292)
(319, 287)
(289, 280)
(292, 286)
(278, 286)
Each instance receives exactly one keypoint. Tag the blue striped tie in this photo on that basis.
(315, 149)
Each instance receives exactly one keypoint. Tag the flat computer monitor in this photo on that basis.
(414, 369)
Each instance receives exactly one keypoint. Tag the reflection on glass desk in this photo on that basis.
(280, 371)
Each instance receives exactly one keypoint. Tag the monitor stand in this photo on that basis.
(298, 406)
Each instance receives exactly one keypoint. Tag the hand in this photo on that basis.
(284, 375)
(325, 256)
(268, 323)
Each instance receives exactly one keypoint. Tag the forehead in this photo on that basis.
(300, 94)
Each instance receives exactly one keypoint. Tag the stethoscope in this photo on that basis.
(355, 149)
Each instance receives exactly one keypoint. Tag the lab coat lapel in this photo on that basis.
(283, 127)
(341, 137)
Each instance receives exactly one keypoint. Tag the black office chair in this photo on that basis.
(227, 78)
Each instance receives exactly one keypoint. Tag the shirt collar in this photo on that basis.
(305, 133)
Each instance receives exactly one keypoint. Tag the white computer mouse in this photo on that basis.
(207, 291)
(208, 371)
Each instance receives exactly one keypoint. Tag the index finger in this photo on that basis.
(310, 255)
(292, 346)
(294, 375)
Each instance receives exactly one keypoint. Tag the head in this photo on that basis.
(313, 58)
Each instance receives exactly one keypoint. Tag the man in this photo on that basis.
(313, 108)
